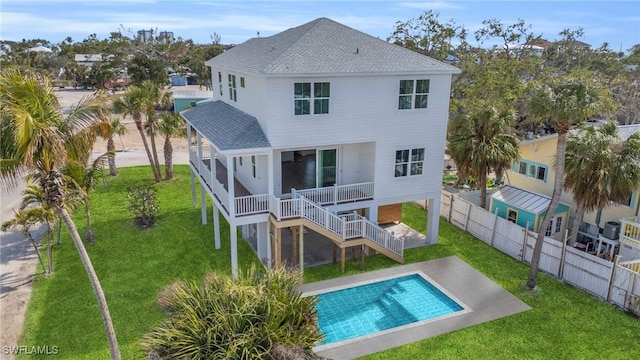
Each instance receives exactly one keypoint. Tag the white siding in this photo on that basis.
(365, 109)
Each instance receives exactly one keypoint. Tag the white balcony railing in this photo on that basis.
(252, 204)
(630, 232)
(336, 194)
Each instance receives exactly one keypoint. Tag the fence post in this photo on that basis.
(466, 221)
(450, 206)
(335, 194)
(632, 284)
(616, 260)
(524, 243)
(495, 223)
(563, 255)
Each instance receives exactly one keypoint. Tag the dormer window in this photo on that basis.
(413, 94)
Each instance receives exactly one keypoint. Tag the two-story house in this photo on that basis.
(535, 171)
(320, 126)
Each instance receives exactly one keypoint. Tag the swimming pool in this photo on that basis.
(369, 308)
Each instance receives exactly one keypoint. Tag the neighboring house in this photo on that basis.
(527, 209)
(178, 80)
(320, 126)
(5, 49)
(184, 99)
(89, 59)
(535, 171)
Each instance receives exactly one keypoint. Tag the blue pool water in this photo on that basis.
(367, 309)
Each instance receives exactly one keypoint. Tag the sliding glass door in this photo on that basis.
(327, 167)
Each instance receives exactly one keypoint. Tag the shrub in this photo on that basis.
(143, 204)
(222, 318)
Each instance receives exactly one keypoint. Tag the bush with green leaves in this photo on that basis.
(143, 203)
(255, 316)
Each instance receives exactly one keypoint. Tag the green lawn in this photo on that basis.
(134, 265)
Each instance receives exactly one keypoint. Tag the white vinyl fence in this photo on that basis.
(615, 282)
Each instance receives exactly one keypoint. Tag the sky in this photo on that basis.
(615, 22)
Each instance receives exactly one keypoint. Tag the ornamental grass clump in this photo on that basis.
(251, 317)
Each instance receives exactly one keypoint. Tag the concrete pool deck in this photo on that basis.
(483, 299)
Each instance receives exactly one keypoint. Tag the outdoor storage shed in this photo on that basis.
(528, 209)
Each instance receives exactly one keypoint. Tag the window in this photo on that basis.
(409, 162)
(413, 94)
(627, 201)
(512, 216)
(240, 160)
(559, 224)
(321, 98)
(549, 230)
(235, 167)
(241, 82)
(302, 97)
(530, 169)
(232, 88)
(253, 164)
(220, 81)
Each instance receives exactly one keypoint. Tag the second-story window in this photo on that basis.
(232, 88)
(303, 96)
(409, 162)
(220, 81)
(413, 94)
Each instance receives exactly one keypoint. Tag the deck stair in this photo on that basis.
(344, 230)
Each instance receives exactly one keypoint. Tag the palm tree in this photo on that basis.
(155, 98)
(132, 103)
(34, 205)
(566, 100)
(479, 141)
(107, 128)
(600, 167)
(169, 126)
(83, 178)
(23, 220)
(33, 137)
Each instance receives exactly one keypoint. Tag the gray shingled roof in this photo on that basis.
(225, 126)
(324, 46)
(522, 199)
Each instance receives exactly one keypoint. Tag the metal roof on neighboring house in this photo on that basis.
(226, 127)
(522, 199)
(624, 131)
(324, 46)
(192, 94)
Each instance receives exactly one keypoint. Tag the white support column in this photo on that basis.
(193, 186)
(373, 214)
(301, 247)
(212, 162)
(433, 220)
(269, 249)
(234, 249)
(262, 237)
(231, 186)
(203, 201)
(216, 225)
(189, 141)
(270, 175)
(199, 142)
